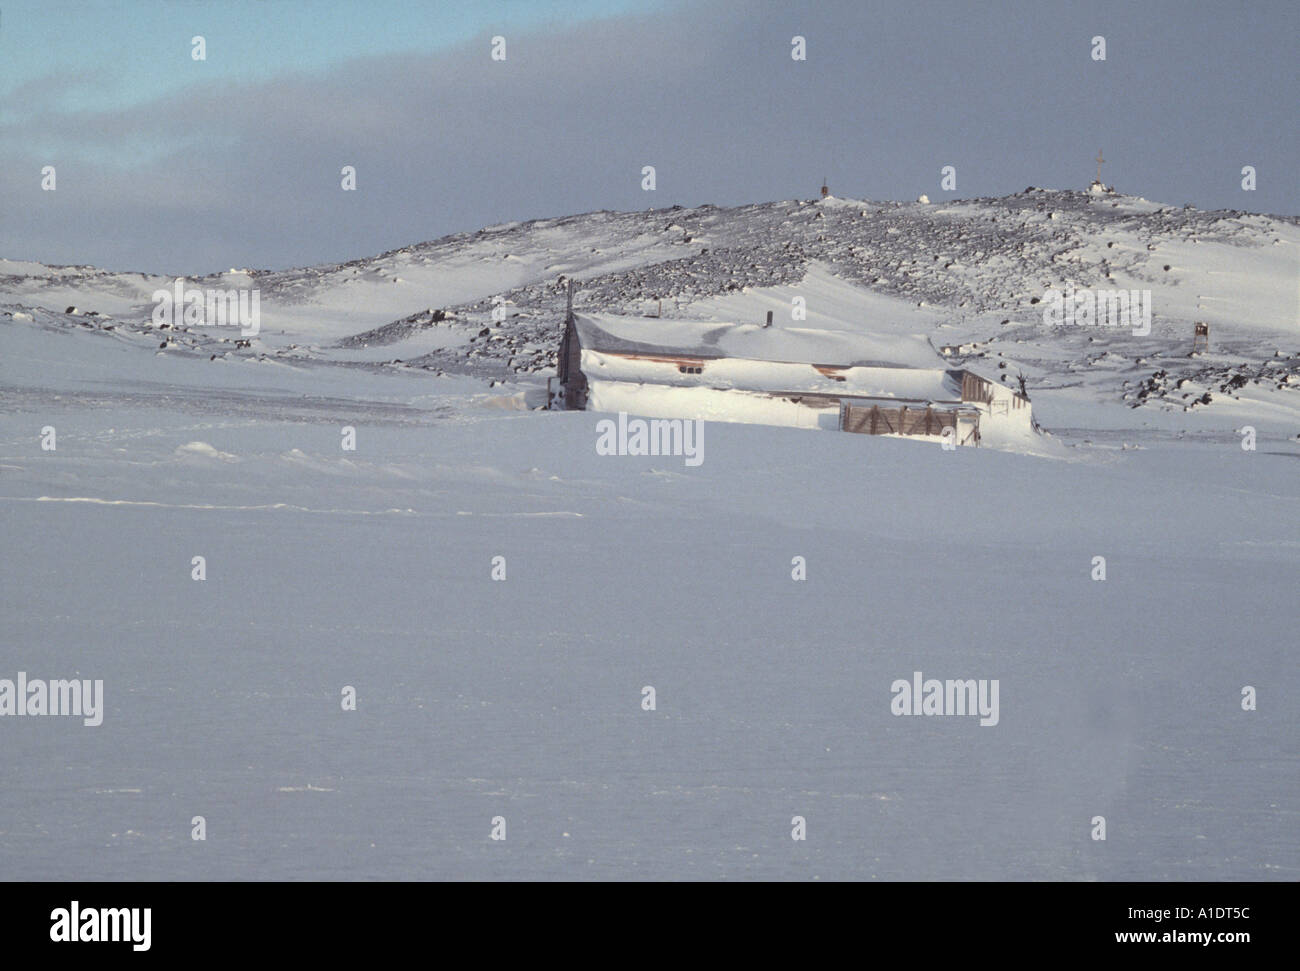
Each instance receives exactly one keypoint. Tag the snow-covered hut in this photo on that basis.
(805, 377)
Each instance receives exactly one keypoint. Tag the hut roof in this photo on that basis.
(709, 340)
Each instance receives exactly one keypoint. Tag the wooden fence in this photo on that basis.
(875, 420)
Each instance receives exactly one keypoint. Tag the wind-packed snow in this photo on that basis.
(522, 697)
(756, 342)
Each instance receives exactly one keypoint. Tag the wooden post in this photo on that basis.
(769, 319)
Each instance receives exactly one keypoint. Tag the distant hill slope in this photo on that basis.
(968, 274)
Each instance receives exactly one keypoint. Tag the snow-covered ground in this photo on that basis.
(522, 697)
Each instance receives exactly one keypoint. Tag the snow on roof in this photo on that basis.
(611, 334)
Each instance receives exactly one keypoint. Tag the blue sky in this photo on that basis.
(132, 51)
(178, 166)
